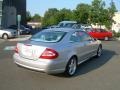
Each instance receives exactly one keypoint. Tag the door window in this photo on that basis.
(80, 36)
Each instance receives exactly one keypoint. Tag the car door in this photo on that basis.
(96, 33)
(90, 45)
(101, 33)
(79, 48)
(104, 33)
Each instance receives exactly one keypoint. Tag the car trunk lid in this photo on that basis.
(30, 51)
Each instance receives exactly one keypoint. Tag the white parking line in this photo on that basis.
(9, 48)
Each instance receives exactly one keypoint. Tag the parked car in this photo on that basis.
(66, 24)
(28, 26)
(99, 33)
(23, 29)
(8, 33)
(53, 26)
(56, 51)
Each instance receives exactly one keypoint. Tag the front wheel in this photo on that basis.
(5, 36)
(71, 67)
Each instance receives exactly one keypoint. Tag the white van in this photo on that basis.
(67, 24)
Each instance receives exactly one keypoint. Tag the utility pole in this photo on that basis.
(18, 21)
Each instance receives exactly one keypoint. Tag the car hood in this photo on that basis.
(10, 30)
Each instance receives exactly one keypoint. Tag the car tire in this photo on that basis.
(5, 36)
(106, 38)
(99, 51)
(71, 67)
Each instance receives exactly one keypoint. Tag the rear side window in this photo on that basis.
(85, 37)
(79, 36)
(50, 36)
(76, 36)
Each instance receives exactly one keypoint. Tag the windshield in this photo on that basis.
(50, 36)
(13, 27)
(66, 25)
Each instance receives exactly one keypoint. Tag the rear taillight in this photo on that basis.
(16, 49)
(49, 54)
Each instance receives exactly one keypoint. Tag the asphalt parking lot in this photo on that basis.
(96, 74)
(1, 40)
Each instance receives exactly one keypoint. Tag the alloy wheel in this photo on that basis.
(99, 52)
(71, 67)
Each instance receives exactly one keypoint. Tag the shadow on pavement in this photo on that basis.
(95, 63)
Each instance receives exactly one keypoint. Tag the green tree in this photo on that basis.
(98, 12)
(28, 16)
(50, 17)
(101, 15)
(111, 12)
(81, 14)
(36, 18)
(54, 16)
(65, 14)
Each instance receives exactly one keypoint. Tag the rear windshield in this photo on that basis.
(50, 36)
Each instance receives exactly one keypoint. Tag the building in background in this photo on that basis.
(35, 24)
(9, 9)
(1, 11)
(116, 25)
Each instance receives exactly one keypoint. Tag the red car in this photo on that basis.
(99, 33)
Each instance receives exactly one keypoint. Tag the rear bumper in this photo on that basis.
(46, 66)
